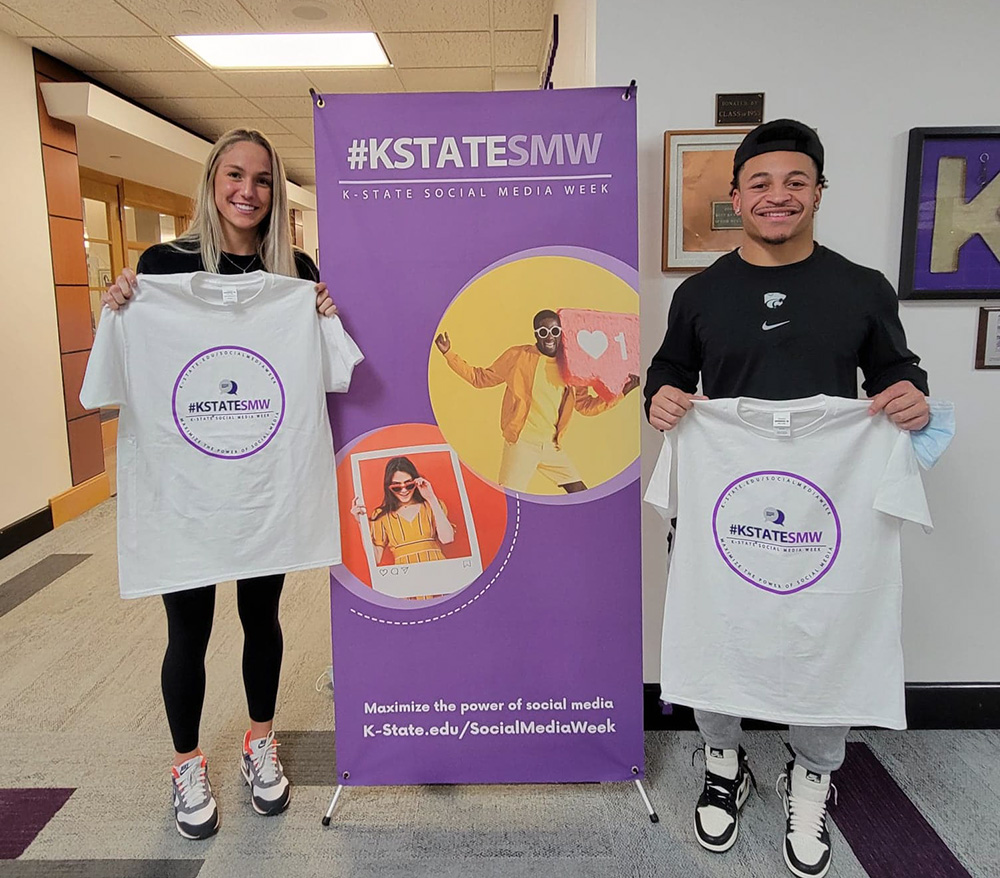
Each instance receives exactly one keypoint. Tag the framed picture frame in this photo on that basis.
(988, 339)
(951, 215)
(698, 220)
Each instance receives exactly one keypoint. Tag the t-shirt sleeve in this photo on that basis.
(106, 380)
(661, 492)
(339, 353)
(900, 491)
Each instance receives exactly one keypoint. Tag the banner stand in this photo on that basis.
(653, 816)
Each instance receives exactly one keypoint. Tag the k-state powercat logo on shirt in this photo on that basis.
(777, 530)
(228, 402)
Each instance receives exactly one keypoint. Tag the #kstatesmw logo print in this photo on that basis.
(228, 402)
(776, 530)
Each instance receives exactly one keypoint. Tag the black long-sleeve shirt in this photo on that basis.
(167, 258)
(784, 332)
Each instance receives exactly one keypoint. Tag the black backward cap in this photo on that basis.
(781, 135)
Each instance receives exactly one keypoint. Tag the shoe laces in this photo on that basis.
(192, 785)
(721, 791)
(805, 816)
(265, 759)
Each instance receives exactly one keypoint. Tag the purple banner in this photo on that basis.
(483, 251)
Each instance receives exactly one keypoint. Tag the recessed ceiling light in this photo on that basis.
(310, 12)
(294, 51)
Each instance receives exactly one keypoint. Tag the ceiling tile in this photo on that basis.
(429, 15)
(17, 25)
(517, 48)
(286, 107)
(271, 127)
(103, 18)
(308, 16)
(296, 154)
(376, 80)
(192, 108)
(448, 79)
(282, 142)
(193, 16)
(69, 54)
(267, 83)
(439, 49)
(170, 85)
(137, 53)
(301, 128)
(522, 14)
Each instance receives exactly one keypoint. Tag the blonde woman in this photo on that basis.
(240, 225)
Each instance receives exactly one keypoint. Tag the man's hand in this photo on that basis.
(905, 405)
(630, 385)
(324, 304)
(669, 405)
(443, 343)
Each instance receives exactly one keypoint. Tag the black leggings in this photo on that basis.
(189, 624)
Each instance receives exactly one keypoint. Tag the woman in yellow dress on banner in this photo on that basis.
(412, 523)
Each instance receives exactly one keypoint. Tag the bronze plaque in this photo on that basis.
(739, 109)
(724, 217)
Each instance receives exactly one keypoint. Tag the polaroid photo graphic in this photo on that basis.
(417, 529)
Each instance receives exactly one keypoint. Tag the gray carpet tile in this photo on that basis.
(100, 869)
(308, 757)
(16, 590)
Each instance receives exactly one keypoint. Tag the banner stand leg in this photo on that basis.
(653, 816)
(336, 795)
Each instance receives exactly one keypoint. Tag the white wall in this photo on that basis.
(576, 55)
(863, 72)
(34, 454)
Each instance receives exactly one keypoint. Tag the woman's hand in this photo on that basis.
(358, 508)
(324, 304)
(118, 294)
(426, 491)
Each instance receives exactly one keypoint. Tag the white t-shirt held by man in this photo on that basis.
(784, 597)
(225, 454)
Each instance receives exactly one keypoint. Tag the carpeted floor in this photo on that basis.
(84, 788)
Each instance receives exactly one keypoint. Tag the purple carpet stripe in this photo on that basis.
(23, 814)
(888, 835)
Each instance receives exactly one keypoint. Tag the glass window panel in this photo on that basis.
(98, 264)
(168, 229)
(130, 222)
(95, 218)
(133, 258)
(146, 226)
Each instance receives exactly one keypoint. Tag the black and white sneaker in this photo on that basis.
(195, 812)
(807, 839)
(270, 791)
(727, 785)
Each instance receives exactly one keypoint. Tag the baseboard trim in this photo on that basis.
(79, 499)
(22, 532)
(928, 706)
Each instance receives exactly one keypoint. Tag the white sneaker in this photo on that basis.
(807, 840)
(727, 785)
(270, 791)
(195, 813)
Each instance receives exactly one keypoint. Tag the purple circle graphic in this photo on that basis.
(764, 525)
(207, 423)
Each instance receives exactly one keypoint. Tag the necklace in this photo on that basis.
(249, 267)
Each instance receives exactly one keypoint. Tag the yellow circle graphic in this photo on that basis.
(493, 398)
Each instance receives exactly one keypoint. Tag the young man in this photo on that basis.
(537, 405)
(781, 318)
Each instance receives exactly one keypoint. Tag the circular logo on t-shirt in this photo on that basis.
(228, 402)
(778, 531)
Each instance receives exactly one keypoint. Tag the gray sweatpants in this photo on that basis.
(817, 748)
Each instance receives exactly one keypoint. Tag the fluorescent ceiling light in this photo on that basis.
(296, 51)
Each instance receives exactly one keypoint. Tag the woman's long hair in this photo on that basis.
(390, 502)
(274, 241)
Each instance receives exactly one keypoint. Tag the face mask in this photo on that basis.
(932, 441)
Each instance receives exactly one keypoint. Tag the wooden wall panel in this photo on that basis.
(62, 183)
(73, 313)
(74, 366)
(69, 259)
(86, 451)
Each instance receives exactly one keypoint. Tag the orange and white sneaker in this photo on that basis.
(270, 791)
(195, 811)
